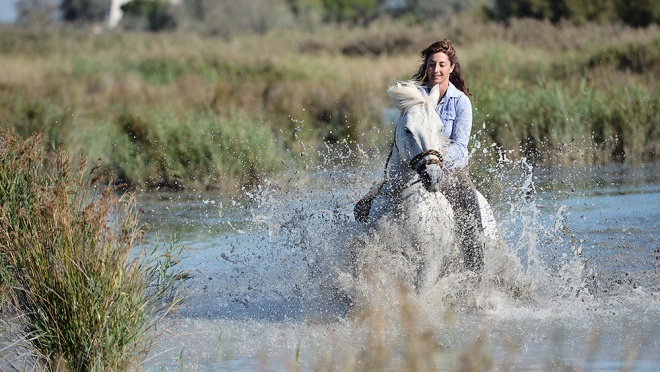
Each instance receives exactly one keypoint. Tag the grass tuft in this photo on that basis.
(70, 267)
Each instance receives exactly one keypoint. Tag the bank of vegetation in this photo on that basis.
(222, 108)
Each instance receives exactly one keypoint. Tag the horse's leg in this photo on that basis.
(425, 231)
(419, 262)
(471, 239)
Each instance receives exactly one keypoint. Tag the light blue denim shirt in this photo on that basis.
(455, 110)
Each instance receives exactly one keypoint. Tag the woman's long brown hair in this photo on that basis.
(445, 47)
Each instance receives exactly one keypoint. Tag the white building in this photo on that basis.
(115, 14)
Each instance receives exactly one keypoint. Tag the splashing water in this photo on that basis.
(576, 282)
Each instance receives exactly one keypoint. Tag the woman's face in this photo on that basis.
(438, 68)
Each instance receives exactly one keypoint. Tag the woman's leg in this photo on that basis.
(363, 206)
(461, 193)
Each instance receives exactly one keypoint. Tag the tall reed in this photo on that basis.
(83, 291)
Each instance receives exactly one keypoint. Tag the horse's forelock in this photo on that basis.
(407, 94)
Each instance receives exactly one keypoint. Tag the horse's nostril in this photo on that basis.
(430, 183)
(431, 178)
(433, 187)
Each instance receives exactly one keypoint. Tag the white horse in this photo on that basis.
(412, 220)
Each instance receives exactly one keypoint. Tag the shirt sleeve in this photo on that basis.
(456, 155)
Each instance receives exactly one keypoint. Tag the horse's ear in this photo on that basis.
(434, 94)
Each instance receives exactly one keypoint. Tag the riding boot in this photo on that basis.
(461, 193)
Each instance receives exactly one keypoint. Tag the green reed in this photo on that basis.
(85, 293)
(572, 124)
(164, 151)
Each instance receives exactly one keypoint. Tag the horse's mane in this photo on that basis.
(405, 94)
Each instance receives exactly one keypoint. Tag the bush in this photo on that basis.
(633, 56)
(637, 13)
(85, 11)
(231, 18)
(157, 14)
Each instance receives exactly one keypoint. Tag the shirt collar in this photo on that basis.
(452, 92)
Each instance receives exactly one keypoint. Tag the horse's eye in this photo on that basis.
(407, 130)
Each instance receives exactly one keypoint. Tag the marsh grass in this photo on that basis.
(541, 89)
(571, 124)
(166, 152)
(78, 288)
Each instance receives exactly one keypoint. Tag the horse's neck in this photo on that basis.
(399, 174)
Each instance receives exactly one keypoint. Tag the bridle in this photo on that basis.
(416, 162)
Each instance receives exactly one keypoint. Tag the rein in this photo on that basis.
(414, 162)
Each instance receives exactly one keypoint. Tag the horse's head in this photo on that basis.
(418, 140)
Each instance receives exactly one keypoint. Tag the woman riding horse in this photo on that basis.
(440, 67)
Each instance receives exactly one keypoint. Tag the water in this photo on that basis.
(577, 286)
